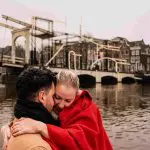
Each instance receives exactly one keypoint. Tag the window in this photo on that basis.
(133, 52)
(126, 52)
(132, 59)
(148, 60)
(137, 52)
(140, 66)
(148, 67)
(137, 57)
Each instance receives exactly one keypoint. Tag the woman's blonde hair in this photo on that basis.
(68, 78)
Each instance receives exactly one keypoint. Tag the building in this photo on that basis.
(140, 57)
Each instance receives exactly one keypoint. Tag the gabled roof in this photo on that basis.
(147, 46)
(119, 39)
(136, 43)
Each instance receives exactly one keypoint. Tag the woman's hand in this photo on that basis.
(27, 125)
(6, 134)
(24, 126)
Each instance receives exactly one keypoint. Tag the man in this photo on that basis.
(34, 92)
(80, 120)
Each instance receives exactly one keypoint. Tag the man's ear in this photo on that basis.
(41, 96)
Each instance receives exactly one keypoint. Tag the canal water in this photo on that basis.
(125, 109)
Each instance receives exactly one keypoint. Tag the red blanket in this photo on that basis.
(81, 127)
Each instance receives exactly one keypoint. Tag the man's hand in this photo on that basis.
(6, 134)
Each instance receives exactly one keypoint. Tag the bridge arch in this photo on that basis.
(25, 32)
(86, 80)
(109, 80)
(128, 80)
(20, 46)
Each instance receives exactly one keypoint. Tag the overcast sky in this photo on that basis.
(101, 18)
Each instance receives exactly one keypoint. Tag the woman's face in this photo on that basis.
(64, 96)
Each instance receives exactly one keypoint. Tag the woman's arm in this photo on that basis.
(27, 125)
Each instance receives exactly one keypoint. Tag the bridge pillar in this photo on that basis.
(27, 50)
(13, 51)
(98, 77)
(118, 76)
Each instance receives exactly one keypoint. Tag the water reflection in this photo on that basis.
(126, 114)
(125, 110)
(7, 101)
(118, 98)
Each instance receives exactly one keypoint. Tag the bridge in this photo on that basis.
(98, 76)
(71, 59)
(87, 75)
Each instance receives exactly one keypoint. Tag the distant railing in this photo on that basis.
(7, 59)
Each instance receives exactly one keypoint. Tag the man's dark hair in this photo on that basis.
(31, 81)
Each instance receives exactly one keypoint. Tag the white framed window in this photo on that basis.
(133, 52)
(148, 60)
(140, 67)
(148, 67)
(132, 59)
(137, 52)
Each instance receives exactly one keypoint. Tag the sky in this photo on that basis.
(103, 19)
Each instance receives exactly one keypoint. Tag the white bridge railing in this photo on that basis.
(7, 59)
